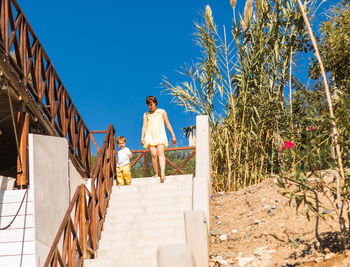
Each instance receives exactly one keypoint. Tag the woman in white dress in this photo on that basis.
(153, 135)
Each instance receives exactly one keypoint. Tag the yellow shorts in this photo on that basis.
(124, 174)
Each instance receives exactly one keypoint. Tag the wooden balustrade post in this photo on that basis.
(101, 191)
(22, 157)
(145, 160)
(82, 227)
(93, 218)
(69, 244)
(5, 24)
(23, 50)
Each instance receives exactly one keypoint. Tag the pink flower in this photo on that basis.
(289, 144)
(283, 148)
(313, 128)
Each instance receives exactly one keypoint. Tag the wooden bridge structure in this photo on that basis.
(33, 99)
(33, 96)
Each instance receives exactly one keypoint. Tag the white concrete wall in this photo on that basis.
(54, 180)
(177, 255)
(201, 181)
(197, 237)
(74, 179)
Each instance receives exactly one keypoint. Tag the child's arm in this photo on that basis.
(167, 124)
(144, 127)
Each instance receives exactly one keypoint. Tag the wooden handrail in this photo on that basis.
(79, 233)
(167, 149)
(143, 153)
(98, 132)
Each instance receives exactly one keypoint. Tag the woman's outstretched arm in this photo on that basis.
(144, 127)
(167, 124)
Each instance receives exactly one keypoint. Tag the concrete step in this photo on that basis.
(124, 235)
(151, 183)
(151, 202)
(149, 262)
(18, 260)
(152, 233)
(131, 262)
(144, 225)
(18, 222)
(116, 197)
(99, 262)
(125, 245)
(16, 248)
(152, 188)
(10, 209)
(121, 211)
(187, 178)
(17, 243)
(15, 196)
(142, 217)
(16, 235)
(127, 252)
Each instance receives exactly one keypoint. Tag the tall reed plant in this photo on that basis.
(239, 83)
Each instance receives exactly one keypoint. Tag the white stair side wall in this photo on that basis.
(17, 242)
(54, 180)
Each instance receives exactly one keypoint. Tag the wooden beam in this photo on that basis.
(22, 157)
(176, 167)
(82, 226)
(184, 162)
(138, 157)
(166, 149)
(146, 168)
(98, 132)
(94, 141)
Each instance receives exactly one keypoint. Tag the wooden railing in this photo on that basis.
(30, 71)
(80, 230)
(143, 153)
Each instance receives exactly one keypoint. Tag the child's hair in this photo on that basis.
(150, 99)
(121, 138)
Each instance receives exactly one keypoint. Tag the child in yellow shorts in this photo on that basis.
(123, 164)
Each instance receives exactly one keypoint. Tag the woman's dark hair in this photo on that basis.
(150, 99)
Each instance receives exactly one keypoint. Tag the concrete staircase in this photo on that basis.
(140, 218)
(17, 241)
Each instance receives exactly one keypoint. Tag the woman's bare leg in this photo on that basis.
(161, 157)
(153, 151)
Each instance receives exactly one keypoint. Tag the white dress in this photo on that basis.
(155, 131)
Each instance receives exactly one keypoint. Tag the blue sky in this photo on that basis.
(112, 55)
